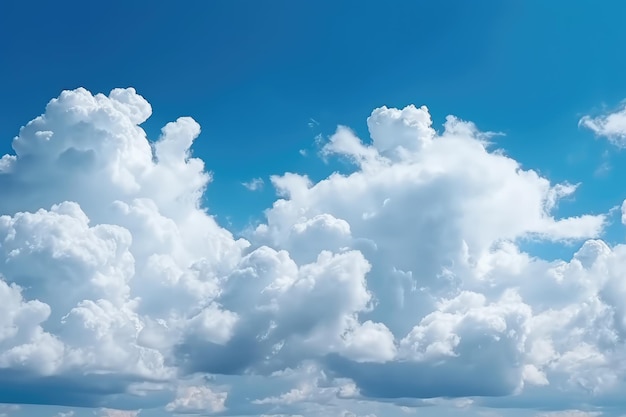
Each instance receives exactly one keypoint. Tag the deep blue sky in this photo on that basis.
(253, 73)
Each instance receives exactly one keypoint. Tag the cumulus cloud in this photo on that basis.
(197, 399)
(611, 126)
(400, 281)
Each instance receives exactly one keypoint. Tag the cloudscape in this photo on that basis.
(417, 243)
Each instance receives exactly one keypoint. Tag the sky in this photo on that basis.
(316, 209)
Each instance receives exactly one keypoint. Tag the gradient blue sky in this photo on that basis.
(253, 74)
(265, 78)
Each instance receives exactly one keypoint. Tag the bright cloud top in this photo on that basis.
(612, 126)
(400, 281)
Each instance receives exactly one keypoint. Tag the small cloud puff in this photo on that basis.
(254, 184)
(611, 125)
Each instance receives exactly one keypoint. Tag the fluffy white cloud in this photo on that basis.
(107, 255)
(400, 281)
(197, 399)
(611, 125)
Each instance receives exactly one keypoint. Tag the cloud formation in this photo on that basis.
(611, 125)
(254, 184)
(398, 282)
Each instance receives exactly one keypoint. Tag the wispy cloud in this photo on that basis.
(255, 184)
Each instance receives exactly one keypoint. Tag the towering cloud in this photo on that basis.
(400, 281)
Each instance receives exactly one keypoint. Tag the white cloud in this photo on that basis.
(611, 125)
(197, 399)
(109, 412)
(570, 413)
(108, 255)
(117, 285)
(254, 184)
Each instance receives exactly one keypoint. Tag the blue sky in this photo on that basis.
(253, 74)
(268, 83)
